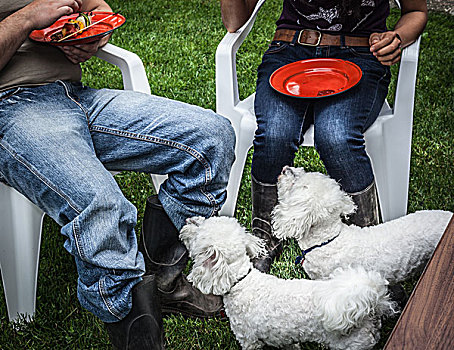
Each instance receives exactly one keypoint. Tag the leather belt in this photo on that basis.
(312, 37)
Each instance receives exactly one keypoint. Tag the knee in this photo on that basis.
(275, 142)
(217, 138)
(338, 141)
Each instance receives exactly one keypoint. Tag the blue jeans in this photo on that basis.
(339, 120)
(57, 145)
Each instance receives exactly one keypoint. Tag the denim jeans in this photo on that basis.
(57, 145)
(339, 120)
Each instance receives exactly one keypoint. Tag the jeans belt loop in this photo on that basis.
(295, 39)
(342, 41)
(319, 37)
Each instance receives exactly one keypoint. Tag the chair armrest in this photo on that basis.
(406, 81)
(131, 66)
(226, 77)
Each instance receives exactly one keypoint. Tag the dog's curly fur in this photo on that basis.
(310, 209)
(342, 312)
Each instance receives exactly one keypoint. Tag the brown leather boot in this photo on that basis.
(142, 328)
(368, 207)
(166, 257)
(264, 198)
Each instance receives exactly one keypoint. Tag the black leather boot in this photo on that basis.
(368, 207)
(264, 198)
(142, 328)
(166, 257)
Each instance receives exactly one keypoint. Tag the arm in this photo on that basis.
(235, 13)
(387, 46)
(39, 14)
(80, 53)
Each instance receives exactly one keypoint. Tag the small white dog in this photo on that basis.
(342, 312)
(309, 209)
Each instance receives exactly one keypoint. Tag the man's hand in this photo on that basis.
(81, 53)
(43, 13)
(386, 47)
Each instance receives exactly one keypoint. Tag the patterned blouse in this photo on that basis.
(328, 16)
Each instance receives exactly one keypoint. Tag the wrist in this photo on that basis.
(24, 20)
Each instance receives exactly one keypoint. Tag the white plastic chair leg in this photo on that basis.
(245, 137)
(158, 180)
(20, 237)
(390, 155)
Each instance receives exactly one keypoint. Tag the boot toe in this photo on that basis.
(187, 300)
(142, 328)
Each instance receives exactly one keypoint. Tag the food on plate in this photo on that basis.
(83, 20)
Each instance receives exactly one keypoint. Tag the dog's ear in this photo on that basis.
(188, 233)
(347, 205)
(292, 223)
(211, 273)
(255, 246)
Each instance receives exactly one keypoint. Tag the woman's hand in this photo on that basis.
(386, 47)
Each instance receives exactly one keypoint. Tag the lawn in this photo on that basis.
(177, 41)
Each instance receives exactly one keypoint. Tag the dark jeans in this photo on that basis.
(339, 120)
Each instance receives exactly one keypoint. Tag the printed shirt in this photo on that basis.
(325, 16)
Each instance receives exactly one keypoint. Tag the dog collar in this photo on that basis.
(242, 278)
(300, 259)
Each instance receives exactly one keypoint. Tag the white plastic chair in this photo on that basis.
(388, 140)
(21, 220)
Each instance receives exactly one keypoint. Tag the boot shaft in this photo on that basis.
(165, 255)
(264, 198)
(368, 207)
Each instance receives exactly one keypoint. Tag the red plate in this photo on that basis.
(91, 34)
(315, 78)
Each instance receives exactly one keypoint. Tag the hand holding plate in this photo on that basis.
(81, 53)
(42, 13)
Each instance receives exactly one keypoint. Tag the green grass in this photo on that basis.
(177, 41)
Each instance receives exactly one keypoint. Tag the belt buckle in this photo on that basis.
(319, 38)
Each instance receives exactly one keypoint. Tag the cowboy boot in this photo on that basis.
(142, 328)
(166, 257)
(368, 207)
(264, 198)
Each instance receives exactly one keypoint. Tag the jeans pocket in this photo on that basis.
(8, 93)
(360, 51)
(276, 46)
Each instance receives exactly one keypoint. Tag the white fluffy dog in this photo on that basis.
(309, 209)
(342, 312)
